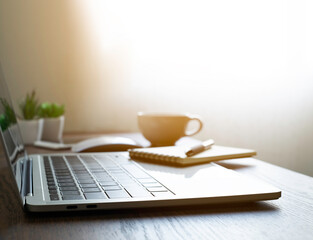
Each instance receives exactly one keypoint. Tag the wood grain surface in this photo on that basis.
(290, 217)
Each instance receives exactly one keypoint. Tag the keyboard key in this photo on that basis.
(107, 183)
(87, 157)
(79, 170)
(163, 194)
(119, 174)
(110, 188)
(80, 175)
(153, 184)
(116, 171)
(54, 197)
(56, 159)
(53, 192)
(88, 185)
(105, 179)
(117, 194)
(83, 181)
(105, 160)
(84, 178)
(96, 173)
(64, 177)
(63, 170)
(157, 189)
(70, 193)
(68, 189)
(72, 159)
(57, 169)
(65, 180)
(137, 191)
(97, 170)
(67, 184)
(88, 190)
(72, 197)
(52, 183)
(105, 173)
(96, 195)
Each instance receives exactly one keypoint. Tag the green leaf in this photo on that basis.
(29, 106)
(4, 122)
(8, 117)
(50, 110)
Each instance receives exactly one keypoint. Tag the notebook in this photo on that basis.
(176, 155)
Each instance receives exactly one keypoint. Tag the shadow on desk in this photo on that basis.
(233, 166)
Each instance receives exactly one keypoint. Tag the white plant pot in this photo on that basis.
(53, 129)
(31, 130)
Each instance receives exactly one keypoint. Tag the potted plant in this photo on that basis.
(53, 125)
(30, 125)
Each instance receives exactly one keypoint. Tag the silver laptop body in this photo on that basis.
(71, 182)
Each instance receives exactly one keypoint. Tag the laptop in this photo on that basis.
(111, 180)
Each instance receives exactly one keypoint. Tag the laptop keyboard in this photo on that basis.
(91, 177)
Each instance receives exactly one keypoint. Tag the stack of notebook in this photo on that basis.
(176, 155)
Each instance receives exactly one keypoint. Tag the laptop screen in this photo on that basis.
(12, 143)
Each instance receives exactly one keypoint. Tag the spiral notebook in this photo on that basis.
(176, 155)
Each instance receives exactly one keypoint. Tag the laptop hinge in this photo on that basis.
(27, 177)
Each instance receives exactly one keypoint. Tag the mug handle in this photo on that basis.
(193, 132)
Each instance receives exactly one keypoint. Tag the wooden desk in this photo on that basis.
(290, 217)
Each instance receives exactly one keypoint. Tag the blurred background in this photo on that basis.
(245, 66)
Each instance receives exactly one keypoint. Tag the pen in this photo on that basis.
(199, 148)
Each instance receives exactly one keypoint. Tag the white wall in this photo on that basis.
(245, 66)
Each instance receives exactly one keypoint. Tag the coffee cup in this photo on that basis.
(163, 129)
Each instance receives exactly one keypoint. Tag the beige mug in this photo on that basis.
(163, 129)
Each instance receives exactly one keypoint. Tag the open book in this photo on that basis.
(176, 155)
